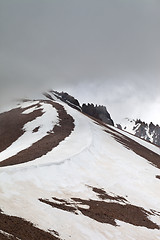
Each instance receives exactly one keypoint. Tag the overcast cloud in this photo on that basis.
(104, 51)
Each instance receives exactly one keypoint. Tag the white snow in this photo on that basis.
(88, 157)
(28, 104)
(31, 109)
(130, 126)
(10, 236)
(46, 123)
(142, 142)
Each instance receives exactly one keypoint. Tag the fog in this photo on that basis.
(101, 51)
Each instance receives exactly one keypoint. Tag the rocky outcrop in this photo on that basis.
(99, 112)
(65, 97)
(150, 132)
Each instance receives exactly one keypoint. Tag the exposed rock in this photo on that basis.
(149, 132)
(99, 112)
(70, 100)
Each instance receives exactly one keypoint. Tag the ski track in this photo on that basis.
(90, 157)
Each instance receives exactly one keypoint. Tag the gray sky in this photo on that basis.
(105, 51)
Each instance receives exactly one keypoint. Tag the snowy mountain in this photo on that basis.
(64, 175)
(99, 112)
(149, 132)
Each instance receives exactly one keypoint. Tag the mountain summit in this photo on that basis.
(66, 175)
(99, 112)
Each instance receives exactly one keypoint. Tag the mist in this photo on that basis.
(105, 52)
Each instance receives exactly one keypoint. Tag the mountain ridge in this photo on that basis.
(141, 129)
(147, 131)
(97, 111)
(85, 179)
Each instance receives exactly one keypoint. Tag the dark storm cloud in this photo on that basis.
(109, 46)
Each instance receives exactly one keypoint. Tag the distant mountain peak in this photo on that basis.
(149, 132)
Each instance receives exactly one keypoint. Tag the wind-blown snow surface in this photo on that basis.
(86, 162)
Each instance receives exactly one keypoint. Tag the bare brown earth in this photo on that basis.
(47, 143)
(3, 237)
(99, 210)
(103, 195)
(36, 129)
(157, 176)
(22, 229)
(142, 151)
(11, 125)
(106, 212)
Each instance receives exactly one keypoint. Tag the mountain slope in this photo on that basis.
(74, 177)
(99, 112)
(149, 132)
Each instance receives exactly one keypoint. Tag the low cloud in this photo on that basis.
(107, 52)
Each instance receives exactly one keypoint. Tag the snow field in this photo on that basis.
(49, 117)
(89, 156)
